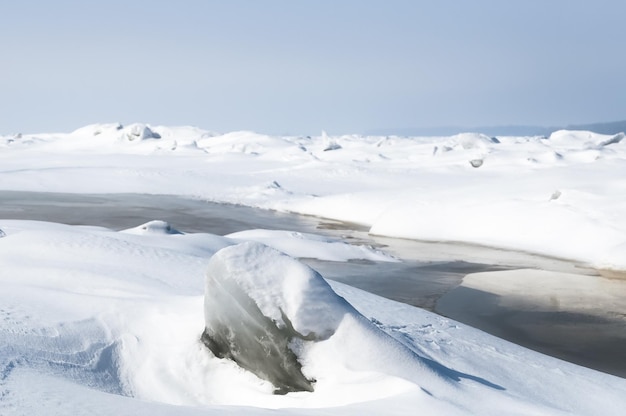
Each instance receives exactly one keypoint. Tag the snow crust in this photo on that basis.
(559, 195)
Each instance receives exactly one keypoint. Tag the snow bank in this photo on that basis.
(550, 227)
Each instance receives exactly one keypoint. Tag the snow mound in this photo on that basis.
(155, 227)
(469, 141)
(261, 305)
(139, 132)
(117, 131)
(305, 245)
(2, 234)
(244, 143)
(98, 129)
(573, 139)
(280, 320)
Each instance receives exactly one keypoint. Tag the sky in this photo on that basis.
(300, 67)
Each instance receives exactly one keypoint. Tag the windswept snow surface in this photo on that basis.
(94, 321)
(561, 195)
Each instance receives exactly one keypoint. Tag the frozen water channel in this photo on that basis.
(430, 274)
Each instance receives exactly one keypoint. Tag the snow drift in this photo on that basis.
(277, 318)
(95, 321)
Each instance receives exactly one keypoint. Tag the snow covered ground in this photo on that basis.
(96, 321)
(560, 196)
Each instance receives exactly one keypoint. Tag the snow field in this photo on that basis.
(559, 195)
(95, 321)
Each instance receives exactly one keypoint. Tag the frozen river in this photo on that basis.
(429, 275)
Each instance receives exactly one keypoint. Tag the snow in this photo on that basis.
(262, 306)
(286, 291)
(97, 321)
(559, 195)
(299, 244)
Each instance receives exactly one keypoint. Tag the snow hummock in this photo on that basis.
(288, 292)
(261, 307)
(153, 227)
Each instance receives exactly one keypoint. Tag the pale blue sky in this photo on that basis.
(299, 67)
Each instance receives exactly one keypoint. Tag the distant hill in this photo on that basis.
(602, 128)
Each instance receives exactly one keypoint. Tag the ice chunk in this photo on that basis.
(329, 144)
(262, 307)
(139, 131)
(332, 145)
(612, 140)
